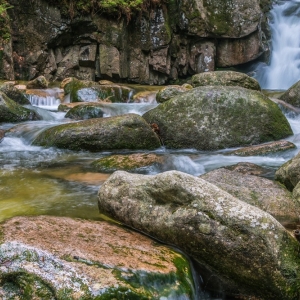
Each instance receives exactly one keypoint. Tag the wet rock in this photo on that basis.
(145, 97)
(289, 173)
(245, 247)
(10, 111)
(13, 93)
(85, 111)
(2, 134)
(248, 168)
(263, 149)
(122, 132)
(38, 83)
(133, 162)
(225, 78)
(169, 92)
(292, 95)
(215, 117)
(61, 258)
(260, 192)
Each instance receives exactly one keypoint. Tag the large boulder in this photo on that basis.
(10, 111)
(292, 95)
(245, 247)
(260, 192)
(61, 258)
(87, 110)
(122, 132)
(289, 173)
(225, 78)
(215, 117)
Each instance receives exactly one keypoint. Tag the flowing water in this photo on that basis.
(284, 67)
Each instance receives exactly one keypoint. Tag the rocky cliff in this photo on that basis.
(167, 41)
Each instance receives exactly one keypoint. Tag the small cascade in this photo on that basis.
(47, 99)
(284, 68)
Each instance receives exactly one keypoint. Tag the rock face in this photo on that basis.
(260, 192)
(10, 111)
(164, 42)
(216, 229)
(121, 132)
(289, 173)
(79, 259)
(209, 118)
(225, 78)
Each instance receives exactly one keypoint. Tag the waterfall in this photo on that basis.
(284, 68)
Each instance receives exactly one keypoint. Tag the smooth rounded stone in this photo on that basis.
(289, 173)
(13, 93)
(38, 83)
(244, 247)
(62, 258)
(133, 162)
(260, 192)
(85, 111)
(67, 106)
(169, 92)
(292, 95)
(216, 117)
(2, 134)
(144, 97)
(121, 132)
(248, 168)
(10, 111)
(263, 149)
(225, 78)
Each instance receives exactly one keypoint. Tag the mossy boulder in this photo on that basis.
(292, 95)
(13, 93)
(10, 111)
(38, 83)
(263, 149)
(246, 248)
(61, 258)
(133, 162)
(225, 78)
(260, 192)
(168, 92)
(289, 173)
(90, 91)
(85, 111)
(215, 117)
(122, 132)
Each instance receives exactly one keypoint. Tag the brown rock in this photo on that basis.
(248, 168)
(2, 134)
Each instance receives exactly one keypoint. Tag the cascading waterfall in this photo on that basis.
(284, 68)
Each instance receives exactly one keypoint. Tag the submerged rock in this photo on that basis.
(289, 173)
(61, 258)
(260, 192)
(121, 132)
(225, 78)
(133, 162)
(246, 248)
(215, 117)
(10, 111)
(263, 149)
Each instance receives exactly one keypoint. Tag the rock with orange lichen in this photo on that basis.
(61, 258)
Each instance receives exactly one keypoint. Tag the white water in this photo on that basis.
(49, 100)
(284, 68)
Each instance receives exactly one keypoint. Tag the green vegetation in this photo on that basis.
(4, 22)
(116, 7)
